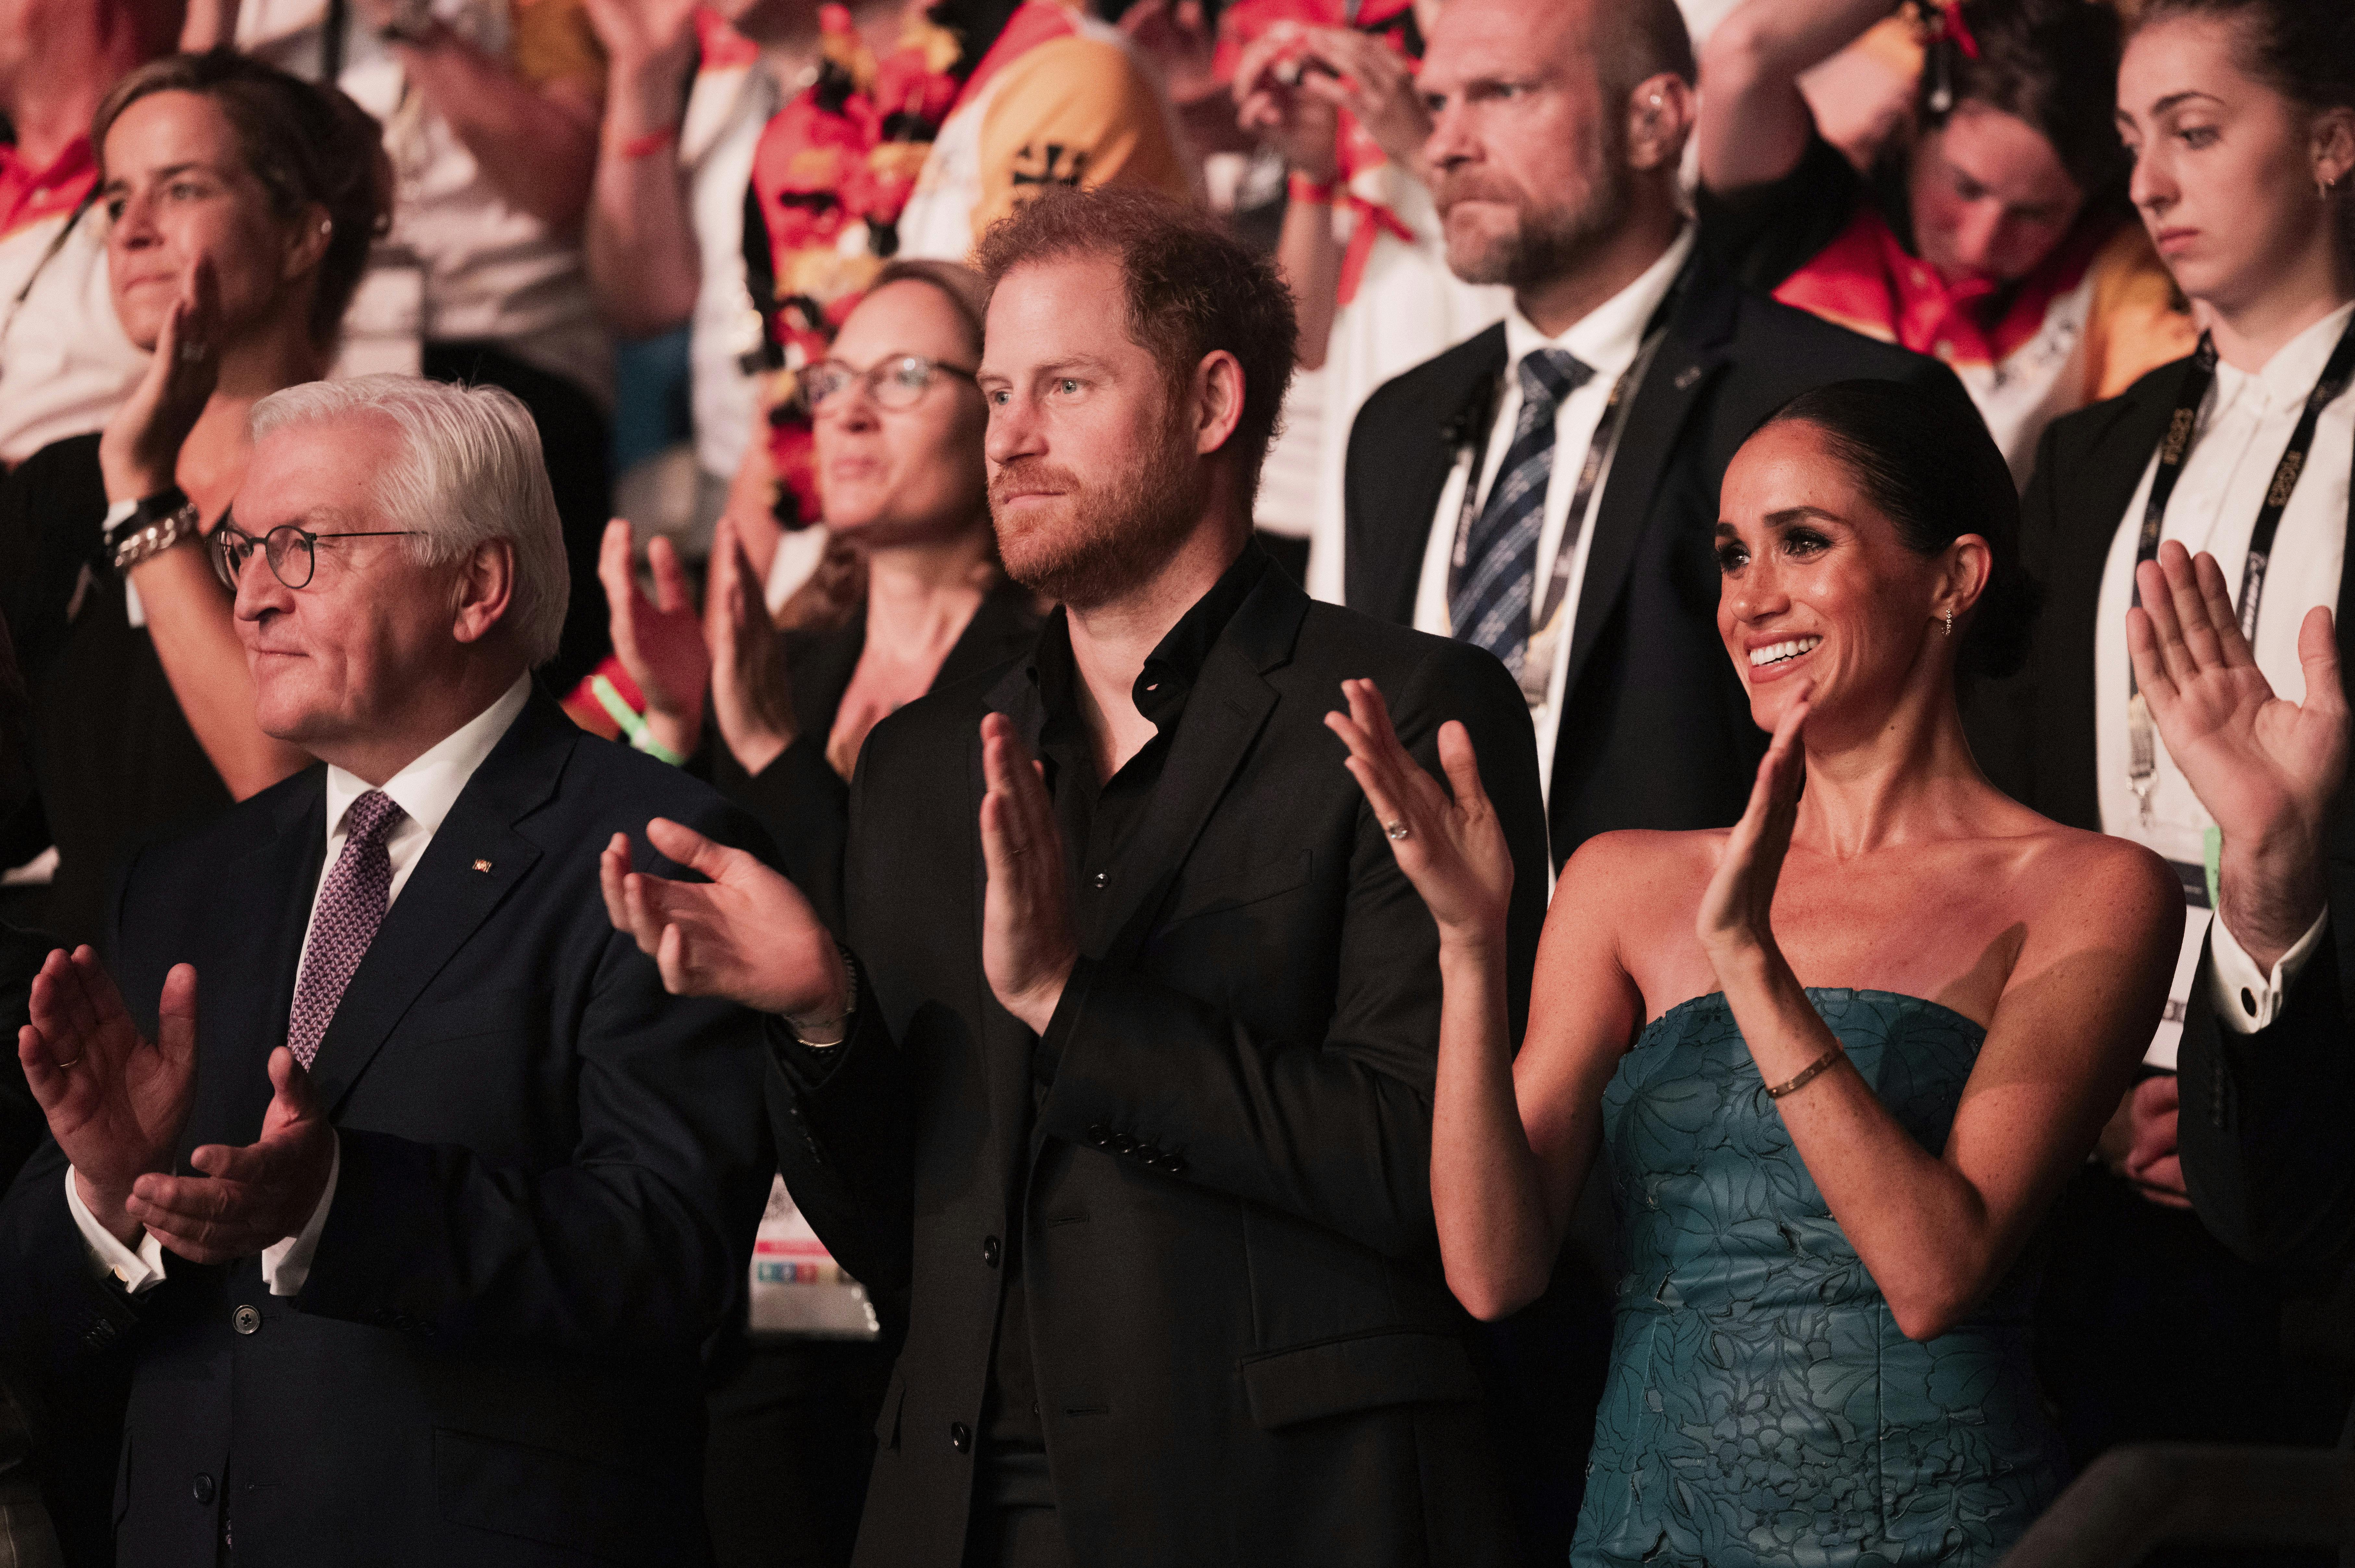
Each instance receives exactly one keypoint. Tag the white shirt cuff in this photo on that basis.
(286, 1266)
(2245, 997)
(137, 1271)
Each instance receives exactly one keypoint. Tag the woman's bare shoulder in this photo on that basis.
(1642, 853)
(2070, 875)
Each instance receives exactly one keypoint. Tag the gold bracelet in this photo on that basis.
(1807, 1074)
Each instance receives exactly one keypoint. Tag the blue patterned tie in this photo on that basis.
(1498, 573)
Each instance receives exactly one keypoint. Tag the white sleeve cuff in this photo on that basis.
(2245, 997)
(140, 1271)
(286, 1266)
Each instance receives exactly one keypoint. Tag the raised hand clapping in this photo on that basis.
(1450, 847)
(2267, 768)
(1735, 921)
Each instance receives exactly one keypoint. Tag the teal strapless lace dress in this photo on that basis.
(1762, 1407)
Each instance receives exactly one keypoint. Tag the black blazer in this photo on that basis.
(552, 1172)
(1244, 1350)
(2265, 1147)
(1656, 729)
(798, 797)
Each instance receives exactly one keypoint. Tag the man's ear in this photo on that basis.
(484, 589)
(1659, 121)
(1218, 400)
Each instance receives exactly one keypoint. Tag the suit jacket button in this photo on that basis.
(203, 1490)
(991, 1252)
(1099, 1136)
(1173, 1164)
(246, 1319)
(959, 1436)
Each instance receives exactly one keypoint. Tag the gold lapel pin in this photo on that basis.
(482, 865)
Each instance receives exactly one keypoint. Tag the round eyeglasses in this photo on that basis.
(293, 553)
(894, 383)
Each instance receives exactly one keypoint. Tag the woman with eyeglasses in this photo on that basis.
(241, 202)
(898, 423)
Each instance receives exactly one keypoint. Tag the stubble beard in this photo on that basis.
(1547, 241)
(1102, 541)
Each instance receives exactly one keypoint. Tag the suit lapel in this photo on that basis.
(476, 858)
(1696, 349)
(1228, 708)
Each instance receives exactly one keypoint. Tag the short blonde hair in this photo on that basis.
(471, 472)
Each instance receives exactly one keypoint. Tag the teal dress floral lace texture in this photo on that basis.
(1762, 1407)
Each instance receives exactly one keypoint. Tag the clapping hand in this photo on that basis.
(1452, 848)
(1735, 919)
(658, 641)
(115, 1101)
(1028, 949)
(751, 696)
(2265, 768)
(139, 451)
(246, 1200)
(1290, 113)
(747, 934)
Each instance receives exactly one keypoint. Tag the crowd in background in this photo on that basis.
(716, 251)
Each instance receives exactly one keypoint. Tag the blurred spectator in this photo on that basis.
(1991, 233)
(64, 362)
(1361, 244)
(242, 203)
(2239, 118)
(490, 111)
(899, 459)
(24, 1529)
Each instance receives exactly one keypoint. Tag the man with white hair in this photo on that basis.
(387, 1164)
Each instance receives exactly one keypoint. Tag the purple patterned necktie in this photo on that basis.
(351, 906)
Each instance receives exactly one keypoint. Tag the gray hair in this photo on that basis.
(472, 473)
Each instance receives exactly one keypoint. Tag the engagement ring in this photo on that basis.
(1397, 829)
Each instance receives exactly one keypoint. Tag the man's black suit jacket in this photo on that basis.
(1244, 1351)
(1656, 729)
(2263, 1118)
(552, 1172)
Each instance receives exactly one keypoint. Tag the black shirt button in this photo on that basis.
(2248, 1001)
(959, 1436)
(1102, 880)
(991, 1252)
(246, 1319)
(203, 1490)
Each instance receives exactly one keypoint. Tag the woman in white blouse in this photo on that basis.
(2240, 115)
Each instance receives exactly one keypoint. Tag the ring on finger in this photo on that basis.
(1398, 830)
(69, 1066)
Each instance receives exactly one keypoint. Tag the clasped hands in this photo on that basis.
(117, 1103)
(747, 933)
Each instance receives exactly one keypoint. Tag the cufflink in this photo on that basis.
(485, 865)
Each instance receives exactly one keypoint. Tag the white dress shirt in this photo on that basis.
(425, 791)
(2243, 430)
(1607, 339)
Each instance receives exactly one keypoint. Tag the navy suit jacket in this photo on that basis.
(551, 1171)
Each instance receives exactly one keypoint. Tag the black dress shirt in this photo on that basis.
(1097, 818)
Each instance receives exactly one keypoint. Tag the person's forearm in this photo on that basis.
(1754, 123)
(188, 622)
(640, 244)
(1309, 257)
(538, 145)
(2272, 892)
(1922, 1230)
(1497, 1240)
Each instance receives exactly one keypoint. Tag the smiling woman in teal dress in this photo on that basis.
(1838, 1059)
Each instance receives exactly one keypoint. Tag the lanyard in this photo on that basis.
(2142, 740)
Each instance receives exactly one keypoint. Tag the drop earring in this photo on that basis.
(1950, 623)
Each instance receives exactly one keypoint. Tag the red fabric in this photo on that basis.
(722, 46)
(1866, 282)
(29, 195)
(1374, 220)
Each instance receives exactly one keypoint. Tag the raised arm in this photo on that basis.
(1938, 1228)
(1754, 123)
(641, 245)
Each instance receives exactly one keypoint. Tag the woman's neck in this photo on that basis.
(1902, 780)
(919, 597)
(2248, 334)
(212, 459)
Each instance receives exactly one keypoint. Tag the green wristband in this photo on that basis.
(632, 723)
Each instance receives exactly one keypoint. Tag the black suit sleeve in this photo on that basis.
(635, 1244)
(2262, 1128)
(1340, 1134)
